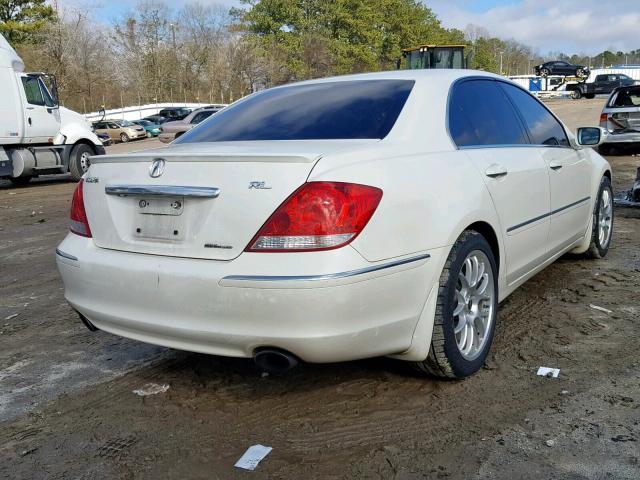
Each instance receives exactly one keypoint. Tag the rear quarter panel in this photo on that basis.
(428, 199)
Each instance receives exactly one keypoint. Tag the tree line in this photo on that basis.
(210, 54)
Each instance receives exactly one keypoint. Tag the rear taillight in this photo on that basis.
(79, 223)
(318, 216)
(603, 119)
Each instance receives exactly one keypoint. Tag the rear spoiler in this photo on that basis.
(208, 157)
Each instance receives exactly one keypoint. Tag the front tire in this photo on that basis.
(79, 161)
(544, 72)
(602, 229)
(124, 138)
(20, 181)
(466, 310)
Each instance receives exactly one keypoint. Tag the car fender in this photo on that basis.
(434, 195)
(600, 168)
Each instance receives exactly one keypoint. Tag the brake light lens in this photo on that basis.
(318, 216)
(78, 222)
(603, 119)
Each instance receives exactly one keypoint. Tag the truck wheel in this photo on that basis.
(20, 181)
(576, 94)
(79, 160)
(579, 73)
(124, 138)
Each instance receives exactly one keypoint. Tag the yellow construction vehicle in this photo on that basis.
(433, 56)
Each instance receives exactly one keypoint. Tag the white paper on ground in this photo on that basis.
(600, 309)
(151, 389)
(545, 371)
(252, 457)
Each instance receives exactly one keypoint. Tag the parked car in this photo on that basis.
(174, 113)
(621, 119)
(602, 84)
(122, 130)
(558, 67)
(157, 119)
(315, 221)
(151, 129)
(104, 138)
(172, 130)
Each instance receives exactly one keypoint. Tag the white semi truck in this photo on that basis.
(37, 136)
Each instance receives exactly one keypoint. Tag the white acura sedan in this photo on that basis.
(338, 219)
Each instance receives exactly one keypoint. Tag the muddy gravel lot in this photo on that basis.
(67, 409)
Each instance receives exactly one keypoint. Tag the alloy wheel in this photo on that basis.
(605, 218)
(475, 301)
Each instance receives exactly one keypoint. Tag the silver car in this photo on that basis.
(169, 131)
(621, 119)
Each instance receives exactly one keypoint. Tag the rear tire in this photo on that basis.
(20, 181)
(476, 304)
(602, 229)
(576, 94)
(79, 161)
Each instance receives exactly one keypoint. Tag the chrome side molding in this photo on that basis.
(162, 191)
(328, 276)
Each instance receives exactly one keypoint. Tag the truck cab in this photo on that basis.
(37, 135)
(433, 56)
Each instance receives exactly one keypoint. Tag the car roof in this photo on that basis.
(443, 76)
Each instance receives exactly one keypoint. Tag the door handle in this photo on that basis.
(495, 171)
(555, 165)
(29, 120)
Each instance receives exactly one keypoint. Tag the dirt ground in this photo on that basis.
(67, 410)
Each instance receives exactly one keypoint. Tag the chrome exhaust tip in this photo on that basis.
(274, 361)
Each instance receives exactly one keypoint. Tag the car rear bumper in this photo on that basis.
(221, 307)
(166, 137)
(626, 138)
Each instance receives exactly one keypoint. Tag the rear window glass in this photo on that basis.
(365, 109)
(627, 97)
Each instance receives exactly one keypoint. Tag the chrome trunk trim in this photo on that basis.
(162, 190)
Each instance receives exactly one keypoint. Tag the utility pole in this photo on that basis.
(173, 35)
(500, 72)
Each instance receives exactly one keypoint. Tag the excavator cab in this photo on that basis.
(433, 56)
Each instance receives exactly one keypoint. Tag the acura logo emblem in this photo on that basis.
(157, 168)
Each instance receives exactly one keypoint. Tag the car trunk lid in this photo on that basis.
(206, 200)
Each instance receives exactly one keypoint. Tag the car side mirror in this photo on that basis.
(589, 136)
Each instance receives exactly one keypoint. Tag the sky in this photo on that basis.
(571, 26)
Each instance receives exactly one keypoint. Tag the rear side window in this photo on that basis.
(365, 109)
(627, 97)
(480, 114)
(544, 128)
(198, 117)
